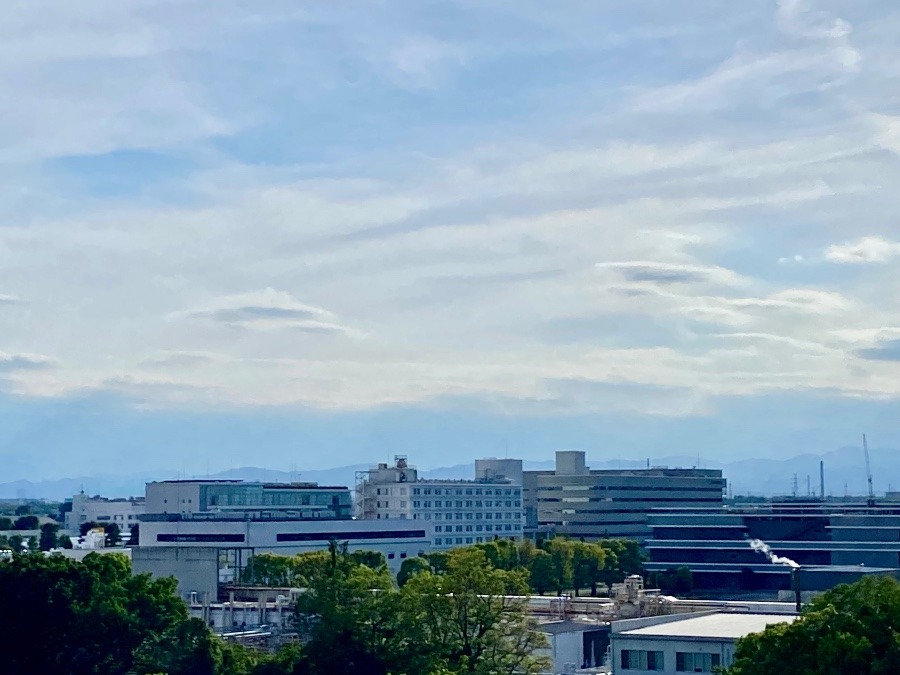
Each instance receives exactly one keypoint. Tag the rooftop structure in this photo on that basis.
(224, 499)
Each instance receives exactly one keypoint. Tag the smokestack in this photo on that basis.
(822, 479)
(795, 582)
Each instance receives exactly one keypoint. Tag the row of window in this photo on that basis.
(478, 528)
(685, 662)
(447, 503)
(451, 541)
(468, 491)
(509, 515)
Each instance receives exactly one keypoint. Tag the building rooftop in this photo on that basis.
(569, 626)
(721, 625)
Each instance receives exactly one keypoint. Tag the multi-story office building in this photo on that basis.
(575, 501)
(203, 532)
(85, 509)
(829, 540)
(216, 498)
(461, 512)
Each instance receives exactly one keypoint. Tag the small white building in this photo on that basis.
(123, 512)
(573, 646)
(683, 643)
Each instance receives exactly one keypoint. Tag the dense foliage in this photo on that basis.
(459, 620)
(852, 628)
(557, 565)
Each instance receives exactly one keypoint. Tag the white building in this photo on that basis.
(397, 540)
(683, 643)
(461, 512)
(204, 532)
(103, 511)
(573, 646)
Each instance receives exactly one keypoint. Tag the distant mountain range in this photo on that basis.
(845, 473)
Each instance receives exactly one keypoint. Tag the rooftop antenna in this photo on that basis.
(868, 471)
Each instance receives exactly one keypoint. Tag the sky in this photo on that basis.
(314, 234)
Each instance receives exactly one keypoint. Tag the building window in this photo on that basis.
(696, 662)
(402, 555)
(416, 491)
(390, 556)
(438, 541)
(638, 659)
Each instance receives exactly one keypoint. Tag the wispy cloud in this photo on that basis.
(865, 250)
(269, 310)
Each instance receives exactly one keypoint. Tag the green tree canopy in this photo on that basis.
(852, 628)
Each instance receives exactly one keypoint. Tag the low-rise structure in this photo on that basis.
(205, 532)
(833, 542)
(123, 512)
(461, 512)
(679, 643)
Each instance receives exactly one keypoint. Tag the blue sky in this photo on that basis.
(313, 234)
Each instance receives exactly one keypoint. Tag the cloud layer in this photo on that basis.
(541, 212)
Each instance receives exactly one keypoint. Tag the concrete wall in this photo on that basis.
(263, 536)
(196, 569)
(724, 648)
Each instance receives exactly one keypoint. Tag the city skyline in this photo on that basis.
(326, 235)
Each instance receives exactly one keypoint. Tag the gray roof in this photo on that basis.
(720, 625)
(556, 627)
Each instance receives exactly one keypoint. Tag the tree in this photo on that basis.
(542, 573)
(16, 542)
(469, 622)
(852, 628)
(587, 566)
(185, 648)
(562, 553)
(410, 568)
(27, 523)
(113, 535)
(350, 618)
(23, 509)
(6, 523)
(84, 528)
(80, 617)
(48, 538)
(134, 535)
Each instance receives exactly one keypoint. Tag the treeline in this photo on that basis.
(556, 565)
(94, 616)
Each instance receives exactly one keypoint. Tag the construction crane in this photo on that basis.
(868, 470)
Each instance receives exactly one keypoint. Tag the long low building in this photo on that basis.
(832, 542)
(204, 532)
(396, 539)
(679, 643)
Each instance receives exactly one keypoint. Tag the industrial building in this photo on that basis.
(461, 512)
(678, 643)
(204, 532)
(831, 541)
(576, 501)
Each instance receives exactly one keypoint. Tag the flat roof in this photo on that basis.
(722, 625)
